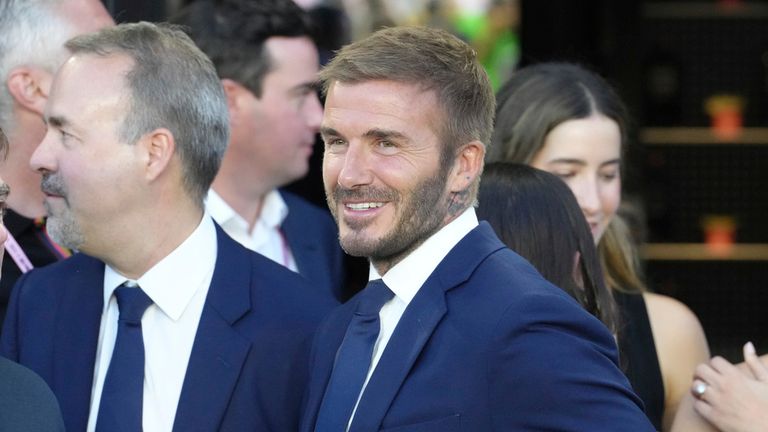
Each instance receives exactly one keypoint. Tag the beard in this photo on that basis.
(61, 224)
(422, 213)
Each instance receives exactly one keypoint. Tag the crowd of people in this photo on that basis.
(161, 276)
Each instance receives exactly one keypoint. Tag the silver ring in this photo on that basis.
(699, 388)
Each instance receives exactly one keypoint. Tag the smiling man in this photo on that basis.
(454, 331)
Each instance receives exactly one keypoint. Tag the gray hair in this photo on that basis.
(33, 32)
(173, 85)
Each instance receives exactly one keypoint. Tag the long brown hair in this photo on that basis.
(534, 101)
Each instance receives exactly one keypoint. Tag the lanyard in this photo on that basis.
(18, 255)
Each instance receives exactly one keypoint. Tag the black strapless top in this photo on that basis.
(637, 355)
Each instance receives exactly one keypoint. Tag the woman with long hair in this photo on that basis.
(564, 119)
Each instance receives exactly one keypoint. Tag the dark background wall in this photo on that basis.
(665, 59)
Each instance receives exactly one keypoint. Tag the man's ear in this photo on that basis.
(236, 94)
(159, 147)
(29, 86)
(467, 166)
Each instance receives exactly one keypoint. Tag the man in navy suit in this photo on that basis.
(470, 337)
(268, 65)
(137, 125)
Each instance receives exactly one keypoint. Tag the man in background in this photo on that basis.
(32, 36)
(267, 62)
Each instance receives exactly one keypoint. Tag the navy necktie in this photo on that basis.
(122, 396)
(353, 360)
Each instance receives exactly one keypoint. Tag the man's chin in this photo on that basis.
(358, 247)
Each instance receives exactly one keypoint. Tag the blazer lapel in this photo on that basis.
(304, 247)
(324, 349)
(417, 324)
(219, 350)
(78, 320)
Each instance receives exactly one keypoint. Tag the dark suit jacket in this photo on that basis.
(486, 345)
(26, 403)
(29, 237)
(313, 238)
(245, 371)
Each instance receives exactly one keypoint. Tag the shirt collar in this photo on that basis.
(218, 208)
(173, 281)
(406, 277)
(274, 210)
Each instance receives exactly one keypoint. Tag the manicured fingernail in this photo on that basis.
(749, 348)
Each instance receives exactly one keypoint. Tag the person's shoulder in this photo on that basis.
(668, 313)
(26, 401)
(680, 345)
(506, 287)
(514, 276)
(53, 275)
(276, 281)
(295, 201)
(76, 263)
(17, 378)
(301, 206)
(676, 329)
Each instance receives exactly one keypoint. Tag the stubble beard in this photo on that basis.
(61, 224)
(63, 228)
(422, 214)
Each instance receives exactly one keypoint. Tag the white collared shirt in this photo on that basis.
(267, 237)
(406, 278)
(178, 286)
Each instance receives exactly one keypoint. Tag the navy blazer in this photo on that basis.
(247, 368)
(313, 237)
(486, 345)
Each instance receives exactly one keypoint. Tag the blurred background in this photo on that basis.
(694, 75)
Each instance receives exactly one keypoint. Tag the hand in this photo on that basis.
(732, 400)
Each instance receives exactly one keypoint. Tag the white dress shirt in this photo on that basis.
(406, 278)
(266, 237)
(178, 286)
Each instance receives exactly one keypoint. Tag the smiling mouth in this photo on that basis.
(363, 206)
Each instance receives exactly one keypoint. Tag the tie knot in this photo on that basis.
(373, 297)
(132, 302)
